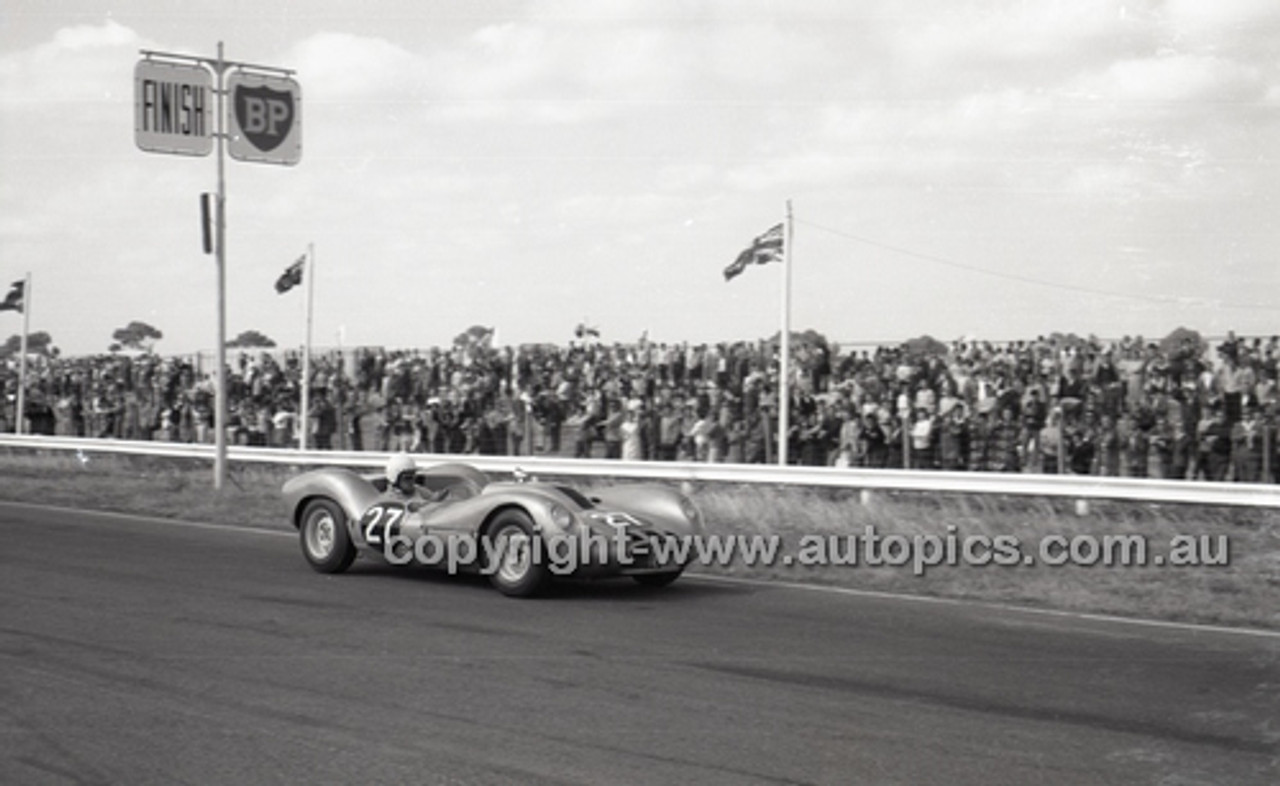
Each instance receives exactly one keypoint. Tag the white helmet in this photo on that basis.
(399, 464)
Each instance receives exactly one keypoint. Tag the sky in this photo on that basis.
(992, 169)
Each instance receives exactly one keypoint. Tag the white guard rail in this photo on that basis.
(1070, 486)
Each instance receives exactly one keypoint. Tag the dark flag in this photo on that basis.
(292, 276)
(13, 300)
(764, 249)
(583, 330)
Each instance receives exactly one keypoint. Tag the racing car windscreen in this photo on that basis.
(575, 495)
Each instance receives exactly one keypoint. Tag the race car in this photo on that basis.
(521, 533)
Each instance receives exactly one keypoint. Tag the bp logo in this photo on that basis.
(264, 115)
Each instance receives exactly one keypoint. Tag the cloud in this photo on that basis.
(1170, 78)
(347, 67)
(81, 63)
(1197, 20)
(956, 44)
(108, 34)
(535, 148)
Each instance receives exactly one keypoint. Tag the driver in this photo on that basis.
(402, 484)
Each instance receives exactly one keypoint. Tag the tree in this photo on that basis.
(136, 335)
(924, 346)
(1183, 340)
(807, 338)
(1067, 339)
(474, 336)
(250, 339)
(38, 343)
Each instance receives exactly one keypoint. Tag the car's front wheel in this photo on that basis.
(516, 565)
(325, 541)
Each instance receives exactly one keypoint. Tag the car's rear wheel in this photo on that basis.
(325, 541)
(657, 579)
(516, 565)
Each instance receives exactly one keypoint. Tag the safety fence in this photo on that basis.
(1080, 487)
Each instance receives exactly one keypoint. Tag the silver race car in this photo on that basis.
(521, 533)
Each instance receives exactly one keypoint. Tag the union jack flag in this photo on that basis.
(764, 249)
(13, 300)
(292, 276)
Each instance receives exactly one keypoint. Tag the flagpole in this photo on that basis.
(305, 415)
(22, 354)
(784, 371)
(220, 235)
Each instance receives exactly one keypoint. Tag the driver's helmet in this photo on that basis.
(401, 473)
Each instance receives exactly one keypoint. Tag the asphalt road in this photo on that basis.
(139, 651)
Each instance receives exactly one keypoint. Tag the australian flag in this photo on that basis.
(292, 276)
(13, 300)
(764, 249)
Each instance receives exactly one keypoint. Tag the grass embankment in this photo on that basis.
(1244, 592)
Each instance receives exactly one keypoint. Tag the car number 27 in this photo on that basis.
(381, 522)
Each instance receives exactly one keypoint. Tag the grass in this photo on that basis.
(1244, 592)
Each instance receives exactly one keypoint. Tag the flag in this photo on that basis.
(292, 276)
(13, 300)
(764, 249)
(583, 330)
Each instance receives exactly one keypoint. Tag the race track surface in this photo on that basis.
(140, 651)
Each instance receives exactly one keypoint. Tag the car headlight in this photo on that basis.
(561, 517)
(691, 511)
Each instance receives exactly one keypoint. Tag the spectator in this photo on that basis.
(611, 429)
(922, 439)
(1119, 400)
(1138, 447)
(283, 423)
(670, 431)
(953, 436)
(1246, 445)
(1080, 440)
(1215, 444)
(492, 433)
(893, 445)
(1002, 448)
(631, 431)
(1050, 440)
(849, 440)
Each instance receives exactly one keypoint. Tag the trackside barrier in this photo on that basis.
(1081, 487)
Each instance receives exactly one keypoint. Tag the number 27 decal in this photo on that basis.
(381, 522)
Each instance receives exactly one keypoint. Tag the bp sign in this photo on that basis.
(264, 118)
(173, 108)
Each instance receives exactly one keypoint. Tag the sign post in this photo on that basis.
(174, 96)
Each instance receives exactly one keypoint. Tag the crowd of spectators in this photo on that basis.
(1174, 408)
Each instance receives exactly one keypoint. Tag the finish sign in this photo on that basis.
(174, 108)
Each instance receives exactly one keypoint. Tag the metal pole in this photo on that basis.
(906, 437)
(784, 382)
(304, 415)
(1062, 445)
(21, 403)
(768, 437)
(339, 395)
(1267, 425)
(220, 399)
